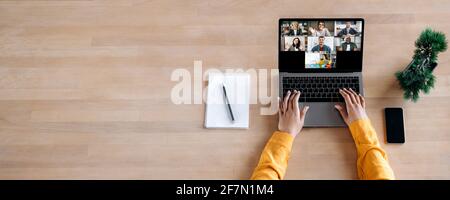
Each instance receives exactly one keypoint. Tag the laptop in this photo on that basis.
(317, 57)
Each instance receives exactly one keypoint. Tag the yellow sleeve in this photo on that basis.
(372, 163)
(274, 158)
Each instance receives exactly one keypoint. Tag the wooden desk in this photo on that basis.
(85, 89)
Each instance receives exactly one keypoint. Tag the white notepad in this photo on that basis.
(238, 92)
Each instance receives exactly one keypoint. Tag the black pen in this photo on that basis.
(227, 102)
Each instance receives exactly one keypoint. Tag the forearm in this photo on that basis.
(372, 160)
(274, 158)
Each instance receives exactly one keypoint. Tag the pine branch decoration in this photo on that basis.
(418, 75)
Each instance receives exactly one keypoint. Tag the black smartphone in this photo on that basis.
(395, 130)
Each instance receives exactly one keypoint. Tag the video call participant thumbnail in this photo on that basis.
(296, 45)
(321, 46)
(321, 30)
(348, 45)
(348, 30)
(319, 60)
(296, 29)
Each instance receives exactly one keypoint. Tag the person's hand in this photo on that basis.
(355, 106)
(291, 119)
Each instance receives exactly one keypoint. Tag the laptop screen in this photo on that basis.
(320, 45)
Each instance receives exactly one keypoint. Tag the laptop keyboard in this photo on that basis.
(320, 89)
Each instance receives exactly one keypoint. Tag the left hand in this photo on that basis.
(291, 119)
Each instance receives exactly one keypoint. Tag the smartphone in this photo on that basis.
(395, 130)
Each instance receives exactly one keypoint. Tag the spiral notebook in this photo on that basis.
(217, 114)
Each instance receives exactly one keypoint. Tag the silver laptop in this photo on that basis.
(317, 57)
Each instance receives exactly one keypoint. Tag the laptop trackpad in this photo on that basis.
(323, 114)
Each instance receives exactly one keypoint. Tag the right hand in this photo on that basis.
(291, 119)
(355, 106)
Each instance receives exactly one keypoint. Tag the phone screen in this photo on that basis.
(395, 132)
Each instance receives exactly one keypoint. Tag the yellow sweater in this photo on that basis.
(372, 163)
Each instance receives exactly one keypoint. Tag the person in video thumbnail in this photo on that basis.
(285, 31)
(348, 45)
(372, 162)
(295, 45)
(320, 31)
(295, 29)
(348, 30)
(325, 61)
(321, 46)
